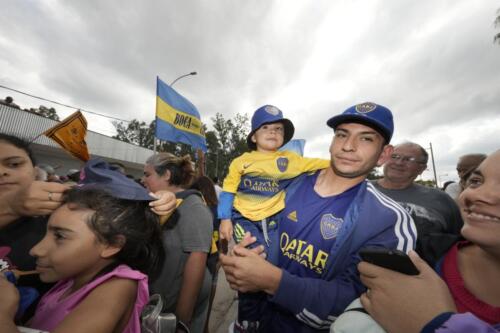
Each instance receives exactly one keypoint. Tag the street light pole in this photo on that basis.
(171, 84)
(433, 165)
(182, 76)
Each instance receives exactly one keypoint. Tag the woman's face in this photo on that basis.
(16, 170)
(480, 204)
(153, 181)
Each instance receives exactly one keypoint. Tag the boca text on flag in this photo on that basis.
(177, 119)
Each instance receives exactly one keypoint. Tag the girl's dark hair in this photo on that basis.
(181, 168)
(207, 189)
(127, 223)
(18, 143)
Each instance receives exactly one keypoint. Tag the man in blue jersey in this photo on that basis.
(329, 216)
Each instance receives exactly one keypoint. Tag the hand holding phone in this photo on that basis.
(391, 259)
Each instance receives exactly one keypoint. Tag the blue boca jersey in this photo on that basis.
(309, 227)
(311, 303)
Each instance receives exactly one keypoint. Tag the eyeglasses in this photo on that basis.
(406, 159)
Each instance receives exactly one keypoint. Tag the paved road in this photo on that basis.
(225, 306)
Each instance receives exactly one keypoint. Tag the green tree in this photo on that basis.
(46, 112)
(142, 134)
(226, 142)
(136, 132)
(428, 183)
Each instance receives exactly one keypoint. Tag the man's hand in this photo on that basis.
(404, 303)
(226, 229)
(165, 203)
(40, 198)
(247, 270)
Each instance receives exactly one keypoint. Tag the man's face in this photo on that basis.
(405, 164)
(356, 149)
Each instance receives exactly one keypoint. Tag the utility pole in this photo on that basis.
(433, 165)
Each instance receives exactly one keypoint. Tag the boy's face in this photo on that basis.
(69, 248)
(269, 137)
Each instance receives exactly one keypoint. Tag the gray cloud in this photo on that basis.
(431, 63)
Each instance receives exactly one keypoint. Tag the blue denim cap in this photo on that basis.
(269, 114)
(97, 174)
(370, 114)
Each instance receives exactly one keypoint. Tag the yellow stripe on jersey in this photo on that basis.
(269, 168)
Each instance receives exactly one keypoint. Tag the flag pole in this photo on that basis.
(154, 137)
(433, 165)
(156, 113)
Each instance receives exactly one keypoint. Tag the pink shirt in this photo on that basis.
(51, 310)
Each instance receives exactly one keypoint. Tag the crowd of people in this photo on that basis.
(84, 251)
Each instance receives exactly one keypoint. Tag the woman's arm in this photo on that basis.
(192, 281)
(195, 230)
(106, 309)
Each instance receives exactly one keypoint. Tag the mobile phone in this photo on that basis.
(223, 246)
(391, 259)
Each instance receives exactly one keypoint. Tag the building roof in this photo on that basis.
(28, 125)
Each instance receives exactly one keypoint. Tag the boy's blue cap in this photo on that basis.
(97, 174)
(370, 114)
(269, 114)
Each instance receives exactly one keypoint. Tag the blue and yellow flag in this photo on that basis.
(177, 120)
(296, 146)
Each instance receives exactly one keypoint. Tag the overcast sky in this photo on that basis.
(433, 63)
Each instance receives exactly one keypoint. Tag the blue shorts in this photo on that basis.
(266, 232)
(252, 305)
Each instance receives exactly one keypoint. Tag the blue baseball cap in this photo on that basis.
(97, 174)
(370, 114)
(269, 114)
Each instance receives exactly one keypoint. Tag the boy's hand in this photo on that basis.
(226, 229)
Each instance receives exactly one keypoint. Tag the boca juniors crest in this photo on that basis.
(282, 164)
(330, 226)
(272, 110)
(366, 107)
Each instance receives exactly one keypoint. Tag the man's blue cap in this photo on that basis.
(269, 114)
(97, 174)
(370, 114)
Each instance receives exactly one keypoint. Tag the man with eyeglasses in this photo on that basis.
(435, 213)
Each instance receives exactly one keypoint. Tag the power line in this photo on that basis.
(68, 106)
